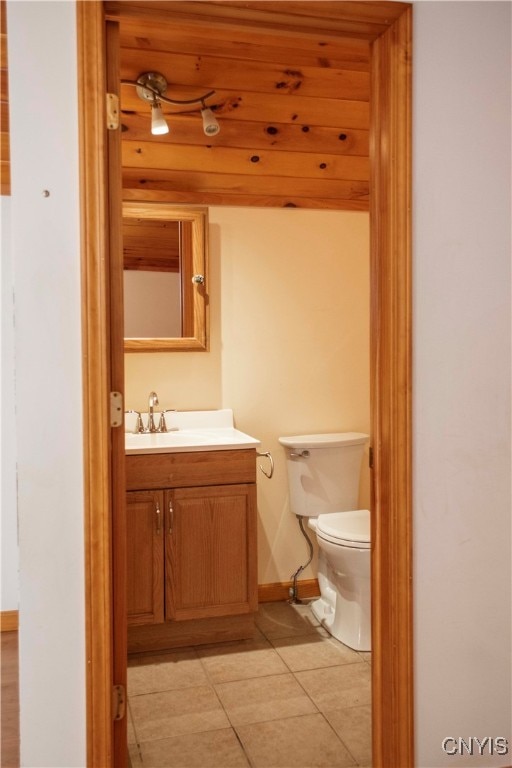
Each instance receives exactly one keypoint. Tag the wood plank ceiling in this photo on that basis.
(292, 87)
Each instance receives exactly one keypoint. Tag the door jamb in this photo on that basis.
(96, 382)
(391, 312)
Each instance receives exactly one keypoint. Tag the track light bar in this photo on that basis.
(151, 87)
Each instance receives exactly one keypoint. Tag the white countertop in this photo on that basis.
(193, 431)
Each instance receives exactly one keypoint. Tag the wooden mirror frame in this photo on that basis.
(194, 243)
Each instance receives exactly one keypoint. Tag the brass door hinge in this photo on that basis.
(116, 409)
(118, 702)
(112, 111)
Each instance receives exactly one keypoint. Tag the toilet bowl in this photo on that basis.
(323, 476)
(344, 605)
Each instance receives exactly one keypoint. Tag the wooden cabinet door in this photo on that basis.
(210, 556)
(145, 557)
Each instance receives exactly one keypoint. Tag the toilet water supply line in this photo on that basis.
(293, 589)
(294, 598)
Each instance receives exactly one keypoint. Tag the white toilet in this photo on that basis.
(323, 477)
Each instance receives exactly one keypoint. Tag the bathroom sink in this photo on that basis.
(191, 431)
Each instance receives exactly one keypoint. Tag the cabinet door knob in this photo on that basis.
(158, 518)
(171, 517)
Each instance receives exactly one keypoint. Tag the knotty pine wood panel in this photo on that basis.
(289, 114)
(374, 12)
(237, 199)
(241, 161)
(275, 46)
(228, 189)
(342, 18)
(202, 71)
(266, 108)
(254, 135)
(295, 110)
(225, 183)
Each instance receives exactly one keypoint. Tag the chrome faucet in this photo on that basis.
(153, 400)
(139, 426)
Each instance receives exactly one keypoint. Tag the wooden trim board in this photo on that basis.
(273, 593)
(96, 376)
(9, 621)
(391, 385)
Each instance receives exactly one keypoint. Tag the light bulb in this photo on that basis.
(210, 125)
(158, 123)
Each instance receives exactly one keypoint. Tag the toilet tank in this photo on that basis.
(324, 471)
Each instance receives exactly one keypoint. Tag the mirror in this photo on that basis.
(165, 277)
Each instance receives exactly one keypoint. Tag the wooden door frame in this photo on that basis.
(391, 381)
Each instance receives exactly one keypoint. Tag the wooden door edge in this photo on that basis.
(9, 621)
(391, 383)
(95, 373)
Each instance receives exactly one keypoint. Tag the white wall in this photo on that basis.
(462, 537)
(9, 518)
(46, 258)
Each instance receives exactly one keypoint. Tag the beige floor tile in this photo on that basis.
(354, 727)
(296, 742)
(312, 651)
(285, 620)
(174, 670)
(134, 758)
(366, 656)
(172, 713)
(263, 698)
(258, 635)
(215, 749)
(240, 661)
(131, 735)
(338, 687)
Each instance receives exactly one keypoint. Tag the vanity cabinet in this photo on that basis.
(192, 572)
(145, 557)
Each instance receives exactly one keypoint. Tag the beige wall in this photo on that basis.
(289, 294)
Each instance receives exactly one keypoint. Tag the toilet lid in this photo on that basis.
(350, 529)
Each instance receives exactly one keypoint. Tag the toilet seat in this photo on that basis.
(347, 529)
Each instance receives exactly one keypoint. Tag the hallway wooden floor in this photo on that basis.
(9, 714)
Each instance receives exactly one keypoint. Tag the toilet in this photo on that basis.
(323, 478)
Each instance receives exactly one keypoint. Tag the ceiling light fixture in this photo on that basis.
(211, 125)
(158, 122)
(151, 87)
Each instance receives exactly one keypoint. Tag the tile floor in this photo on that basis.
(293, 697)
